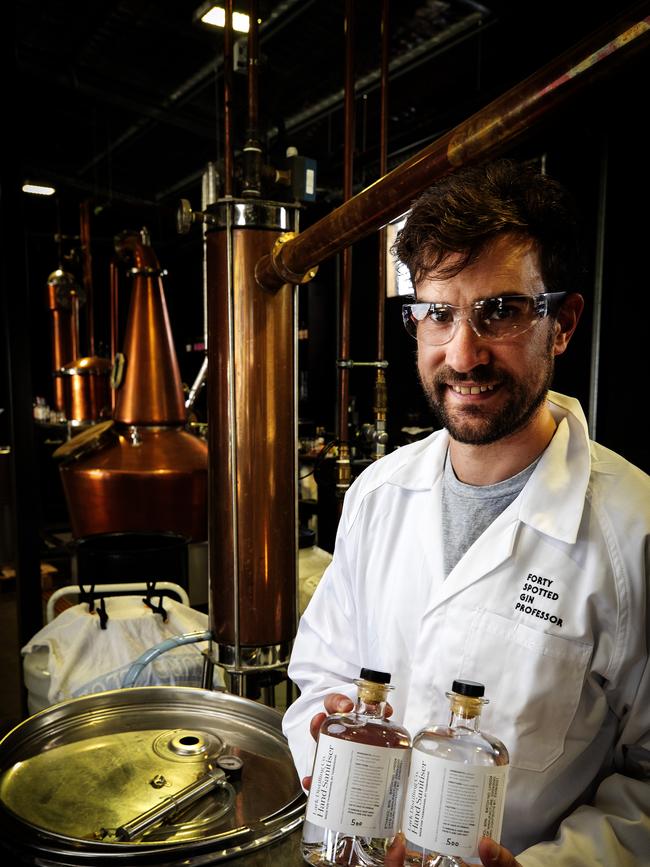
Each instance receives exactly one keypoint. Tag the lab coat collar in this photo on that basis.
(553, 499)
(422, 473)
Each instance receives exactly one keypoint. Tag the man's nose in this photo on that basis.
(466, 349)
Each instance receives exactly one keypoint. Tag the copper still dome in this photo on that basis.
(145, 471)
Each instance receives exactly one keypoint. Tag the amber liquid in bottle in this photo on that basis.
(358, 781)
(456, 788)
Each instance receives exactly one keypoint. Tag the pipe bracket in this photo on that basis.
(146, 271)
(279, 266)
(348, 363)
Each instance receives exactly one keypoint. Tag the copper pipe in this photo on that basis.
(381, 396)
(507, 119)
(252, 181)
(74, 335)
(227, 95)
(209, 195)
(383, 165)
(253, 60)
(114, 314)
(251, 392)
(62, 344)
(87, 272)
(343, 463)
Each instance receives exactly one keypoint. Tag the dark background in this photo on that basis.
(121, 106)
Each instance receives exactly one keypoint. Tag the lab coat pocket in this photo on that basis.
(533, 681)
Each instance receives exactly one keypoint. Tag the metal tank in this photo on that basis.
(63, 299)
(145, 472)
(165, 776)
(86, 390)
(253, 476)
(81, 384)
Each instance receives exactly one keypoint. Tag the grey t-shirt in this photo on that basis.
(468, 509)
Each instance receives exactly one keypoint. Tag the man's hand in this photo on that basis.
(492, 854)
(397, 852)
(335, 702)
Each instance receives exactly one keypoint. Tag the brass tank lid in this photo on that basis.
(77, 772)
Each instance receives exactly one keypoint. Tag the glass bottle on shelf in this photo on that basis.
(456, 787)
(358, 781)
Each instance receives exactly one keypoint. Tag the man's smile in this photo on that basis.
(470, 389)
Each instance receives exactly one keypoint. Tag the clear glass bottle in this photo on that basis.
(358, 781)
(456, 787)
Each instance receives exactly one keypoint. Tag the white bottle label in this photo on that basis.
(450, 805)
(357, 788)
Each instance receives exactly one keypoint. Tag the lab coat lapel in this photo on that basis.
(429, 533)
(425, 477)
(489, 551)
(553, 500)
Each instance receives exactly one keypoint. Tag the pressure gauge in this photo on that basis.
(232, 765)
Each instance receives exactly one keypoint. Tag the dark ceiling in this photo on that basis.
(125, 99)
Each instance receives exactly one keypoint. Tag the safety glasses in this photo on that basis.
(505, 316)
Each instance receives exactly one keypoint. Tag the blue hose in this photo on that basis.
(169, 643)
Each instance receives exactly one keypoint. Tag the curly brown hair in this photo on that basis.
(465, 211)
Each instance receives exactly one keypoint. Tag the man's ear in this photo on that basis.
(567, 318)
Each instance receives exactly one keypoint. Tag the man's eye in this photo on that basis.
(500, 309)
(440, 314)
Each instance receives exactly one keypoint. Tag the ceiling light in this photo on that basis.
(38, 189)
(216, 16)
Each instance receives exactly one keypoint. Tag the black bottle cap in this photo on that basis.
(470, 688)
(374, 676)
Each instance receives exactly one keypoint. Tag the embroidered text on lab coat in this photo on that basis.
(536, 588)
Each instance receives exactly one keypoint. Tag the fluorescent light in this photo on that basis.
(38, 189)
(216, 16)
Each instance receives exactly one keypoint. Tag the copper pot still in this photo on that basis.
(252, 434)
(145, 472)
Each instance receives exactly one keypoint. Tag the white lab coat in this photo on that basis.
(565, 670)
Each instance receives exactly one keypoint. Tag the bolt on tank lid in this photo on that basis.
(374, 676)
(470, 688)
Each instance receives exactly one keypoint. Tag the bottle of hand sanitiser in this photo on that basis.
(456, 787)
(358, 781)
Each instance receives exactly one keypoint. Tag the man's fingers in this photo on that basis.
(494, 855)
(306, 783)
(315, 724)
(397, 852)
(336, 702)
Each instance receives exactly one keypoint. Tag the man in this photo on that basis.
(506, 548)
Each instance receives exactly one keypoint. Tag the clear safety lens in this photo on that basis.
(497, 318)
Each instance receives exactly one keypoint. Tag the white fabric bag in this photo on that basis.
(72, 655)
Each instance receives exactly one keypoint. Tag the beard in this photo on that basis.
(476, 425)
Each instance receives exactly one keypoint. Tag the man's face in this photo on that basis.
(485, 390)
